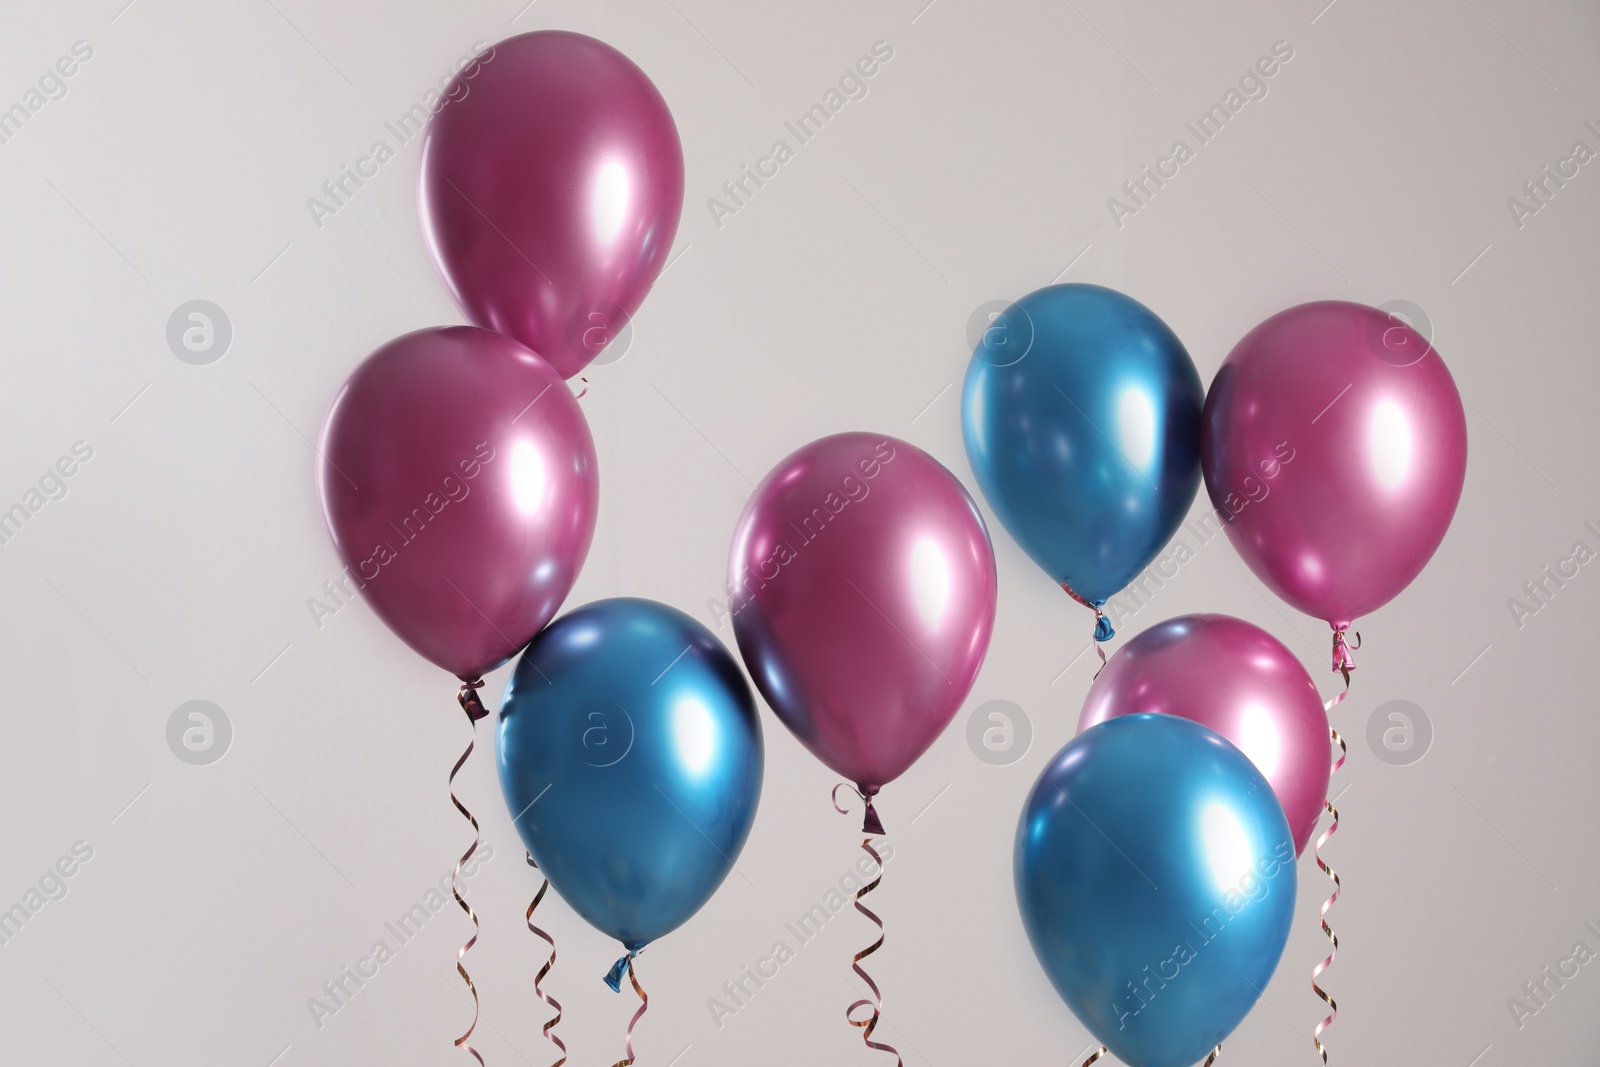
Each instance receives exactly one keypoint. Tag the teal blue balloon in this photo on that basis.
(631, 760)
(1155, 873)
(1081, 415)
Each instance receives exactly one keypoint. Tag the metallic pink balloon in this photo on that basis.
(458, 481)
(862, 587)
(551, 185)
(1334, 448)
(1240, 681)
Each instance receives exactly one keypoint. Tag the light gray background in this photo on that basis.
(179, 565)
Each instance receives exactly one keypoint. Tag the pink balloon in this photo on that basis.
(862, 587)
(551, 185)
(1240, 681)
(458, 481)
(1334, 447)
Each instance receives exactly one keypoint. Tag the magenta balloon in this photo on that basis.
(862, 587)
(551, 185)
(458, 481)
(1240, 681)
(1334, 448)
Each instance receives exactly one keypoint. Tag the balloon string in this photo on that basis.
(1316, 972)
(549, 963)
(1102, 625)
(1213, 1057)
(1101, 1052)
(644, 1004)
(869, 1023)
(1344, 664)
(468, 696)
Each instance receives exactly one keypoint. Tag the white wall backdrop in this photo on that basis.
(209, 903)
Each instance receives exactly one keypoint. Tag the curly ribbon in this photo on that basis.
(1102, 625)
(1094, 1056)
(1327, 961)
(1343, 663)
(870, 823)
(867, 1023)
(468, 696)
(614, 980)
(549, 963)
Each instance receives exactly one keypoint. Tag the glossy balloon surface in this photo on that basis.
(862, 587)
(551, 185)
(458, 481)
(1081, 414)
(1238, 680)
(1335, 448)
(1156, 879)
(631, 760)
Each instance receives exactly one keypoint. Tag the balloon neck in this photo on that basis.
(618, 969)
(1343, 662)
(470, 702)
(1102, 626)
(870, 823)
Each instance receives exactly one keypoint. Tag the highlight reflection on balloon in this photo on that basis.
(631, 760)
(1156, 880)
(1238, 680)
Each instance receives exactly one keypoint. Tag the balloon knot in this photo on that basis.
(470, 702)
(1343, 662)
(1102, 626)
(870, 823)
(618, 969)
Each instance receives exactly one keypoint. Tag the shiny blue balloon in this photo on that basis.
(1081, 414)
(631, 760)
(1155, 874)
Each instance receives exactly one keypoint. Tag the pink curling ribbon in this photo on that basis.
(468, 696)
(549, 963)
(1343, 664)
(867, 1023)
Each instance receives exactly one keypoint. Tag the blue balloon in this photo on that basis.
(631, 760)
(1155, 874)
(1081, 414)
